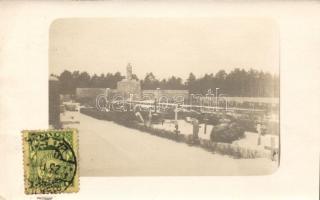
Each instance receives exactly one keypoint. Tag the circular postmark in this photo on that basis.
(52, 162)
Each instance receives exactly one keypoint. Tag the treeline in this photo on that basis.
(238, 82)
(69, 81)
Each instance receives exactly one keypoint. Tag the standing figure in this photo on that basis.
(259, 133)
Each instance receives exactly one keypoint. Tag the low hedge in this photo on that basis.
(232, 150)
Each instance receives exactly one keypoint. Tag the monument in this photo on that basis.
(129, 85)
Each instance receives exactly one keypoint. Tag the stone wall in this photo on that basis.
(82, 93)
(164, 95)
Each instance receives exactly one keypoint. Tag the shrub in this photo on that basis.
(227, 133)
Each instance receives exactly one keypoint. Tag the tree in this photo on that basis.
(150, 82)
(191, 83)
(220, 79)
(66, 83)
(238, 82)
(163, 84)
(84, 80)
(175, 83)
(94, 82)
(102, 81)
(75, 78)
(114, 79)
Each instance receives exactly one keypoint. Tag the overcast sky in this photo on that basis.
(164, 46)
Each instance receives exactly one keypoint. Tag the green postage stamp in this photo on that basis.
(50, 161)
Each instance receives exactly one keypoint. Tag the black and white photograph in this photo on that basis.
(168, 96)
(157, 100)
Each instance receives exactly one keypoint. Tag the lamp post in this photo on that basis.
(217, 98)
(191, 101)
(207, 101)
(156, 99)
(158, 93)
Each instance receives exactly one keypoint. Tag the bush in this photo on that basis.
(227, 133)
(247, 121)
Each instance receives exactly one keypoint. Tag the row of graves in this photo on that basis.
(238, 132)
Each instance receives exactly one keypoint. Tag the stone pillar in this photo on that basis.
(176, 114)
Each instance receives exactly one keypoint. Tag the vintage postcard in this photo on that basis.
(168, 96)
(51, 161)
(159, 100)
